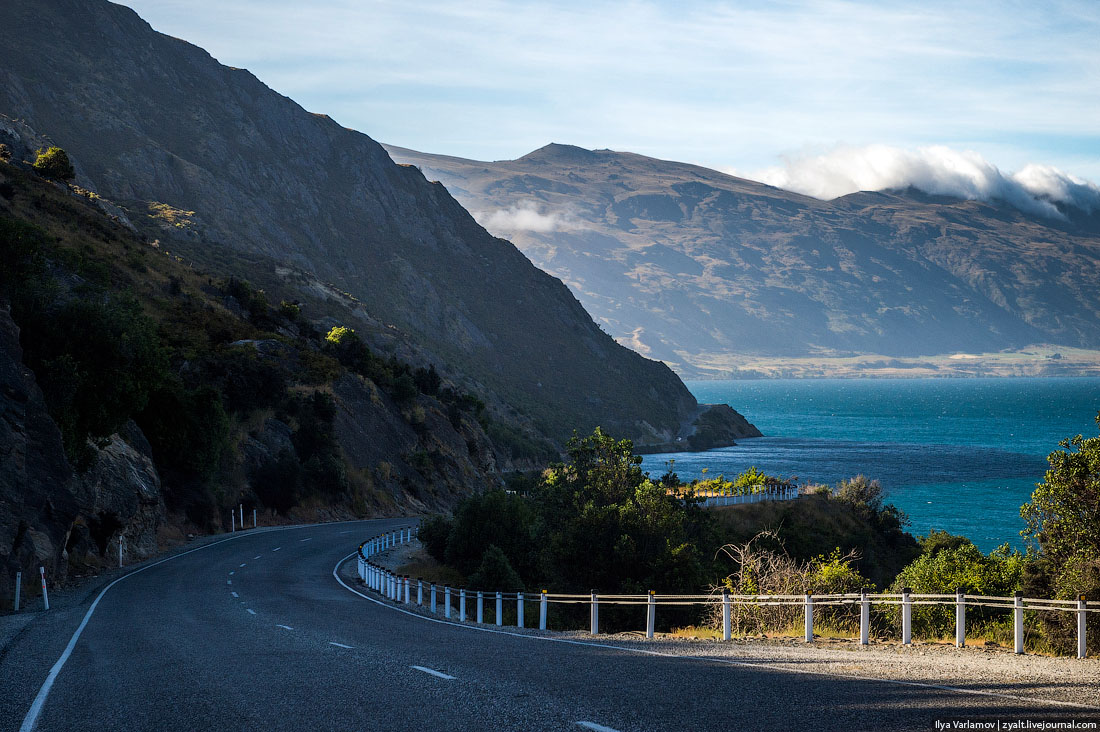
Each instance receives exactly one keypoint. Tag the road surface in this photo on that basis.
(256, 633)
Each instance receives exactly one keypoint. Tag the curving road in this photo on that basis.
(256, 633)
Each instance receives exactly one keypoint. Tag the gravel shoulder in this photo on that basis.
(974, 669)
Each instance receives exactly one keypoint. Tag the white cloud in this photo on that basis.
(936, 170)
(525, 216)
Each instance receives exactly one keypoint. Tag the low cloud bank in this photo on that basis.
(938, 170)
(525, 216)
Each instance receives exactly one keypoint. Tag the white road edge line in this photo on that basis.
(31, 718)
(727, 661)
(433, 672)
(596, 727)
(334, 643)
(250, 610)
(285, 627)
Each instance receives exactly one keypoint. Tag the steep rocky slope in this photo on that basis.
(160, 127)
(690, 265)
(143, 398)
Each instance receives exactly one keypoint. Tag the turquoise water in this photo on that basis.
(956, 454)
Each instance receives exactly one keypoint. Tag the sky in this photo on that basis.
(787, 91)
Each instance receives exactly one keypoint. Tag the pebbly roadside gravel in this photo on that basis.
(987, 671)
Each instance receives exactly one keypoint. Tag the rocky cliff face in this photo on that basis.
(49, 516)
(693, 266)
(156, 122)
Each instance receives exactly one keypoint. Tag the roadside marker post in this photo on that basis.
(1018, 621)
(462, 605)
(232, 521)
(725, 614)
(960, 618)
(45, 596)
(809, 618)
(433, 597)
(1082, 650)
(864, 618)
(447, 601)
(595, 613)
(906, 617)
(419, 592)
(500, 609)
(651, 614)
(242, 516)
(542, 611)
(406, 589)
(18, 587)
(120, 550)
(480, 606)
(253, 518)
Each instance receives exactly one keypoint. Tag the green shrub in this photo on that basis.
(54, 163)
(495, 572)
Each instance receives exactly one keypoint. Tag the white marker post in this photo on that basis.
(242, 515)
(906, 617)
(18, 586)
(542, 611)
(960, 618)
(419, 592)
(45, 596)
(519, 609)
(406, 589)
(447, 601)
(253, 518)
(864, 618)
(232, 521)
(433, 597)
(480, 606)
(725, 614)
(120, 550)
(651, 615)
(809, 618)
(1018, 621)
(500, 609)
(595, 613)
(1082, 651)
(462, 605)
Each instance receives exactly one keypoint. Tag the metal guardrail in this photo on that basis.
(401, 589)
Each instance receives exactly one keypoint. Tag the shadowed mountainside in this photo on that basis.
(210, 157)
(690, 265)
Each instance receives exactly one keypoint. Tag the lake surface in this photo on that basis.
(956, 454)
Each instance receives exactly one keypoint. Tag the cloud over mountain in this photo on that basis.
(936, 170)
(526, 216)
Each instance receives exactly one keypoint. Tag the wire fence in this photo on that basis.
(733, 612)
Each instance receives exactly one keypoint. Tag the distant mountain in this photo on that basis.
(233, 175)
(690, 265)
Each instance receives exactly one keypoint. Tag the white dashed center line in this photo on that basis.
(276, 549)
(334, 643)
(250, 610)
(284, 627)
(256, 557)
(234, 594)
(306, 539)
(244, 564)
(433, 672)
(596, 727)
(229, 582)
(233, 572)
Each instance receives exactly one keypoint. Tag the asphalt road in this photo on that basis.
(255, 633)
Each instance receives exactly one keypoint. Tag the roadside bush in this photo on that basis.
(495, 572)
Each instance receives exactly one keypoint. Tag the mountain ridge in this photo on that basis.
(702, 269)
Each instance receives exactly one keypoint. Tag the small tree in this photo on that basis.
(54, 163)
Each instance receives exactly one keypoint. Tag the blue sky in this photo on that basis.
(738, 86)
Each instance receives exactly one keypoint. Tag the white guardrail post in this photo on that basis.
(45, 597)
(419, 592)
(960, 618)
(500, 609)
(447, 601)
(595, 613)
(18, 587)
(725, 614)
(906, 617)
(1018, 621)
(542, 610)
(462, 605)
(406, 589)
(1082, 649)
(433, 597)
(519, 609)
(864, 618)
(651, 614)
(809, 618)
(480, 606)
